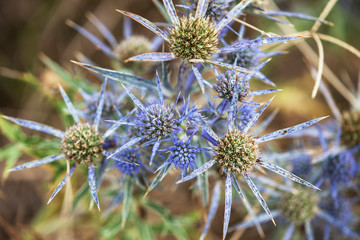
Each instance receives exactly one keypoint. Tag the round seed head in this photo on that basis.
(237, 152)
(226, 82)
(133, 46)
(131, 166)
(299, 207)
(183, 155)
(157, 122)
(194, 38)
(82, 143)
(350, 128)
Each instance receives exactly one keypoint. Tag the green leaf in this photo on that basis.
(74, 82)
(203, 181)
(80, 194)
(171, 224)
(127, 199)
(11, 131)
(11, 154)
(121, 77)
(145, 230)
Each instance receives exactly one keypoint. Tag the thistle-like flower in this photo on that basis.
(195, 38)
(80, 143)
(238, 152)
(302, 207)
(154, 122)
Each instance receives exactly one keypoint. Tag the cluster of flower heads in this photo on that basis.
(164, 131)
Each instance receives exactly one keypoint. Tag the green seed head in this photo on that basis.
(133, 46)
(194, 38)
(299, 207)
(237, 152)
(82, 143)
(350, 128)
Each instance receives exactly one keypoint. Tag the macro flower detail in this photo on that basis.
(350, 128)
(194, 38)
(82, 143)
(236, 152)
(130, 165)
(225, 84)
(157, 121)
(299, 207)
(183, 155)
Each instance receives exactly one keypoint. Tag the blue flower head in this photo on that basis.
(131, 162)
(183, 155)
(157, 121)
(225, 84)
(301, 165)
(340, 168)
(247, 57)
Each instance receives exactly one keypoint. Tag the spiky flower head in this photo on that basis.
(82, 143)
(133, 46)
(225, 84)
(158, 121)
(194, 38)
(299, 207)
(248, 57)
(340, 168)
(131, 163)
(237, 152)
(302, 166)
(183, 155)
(350, 128)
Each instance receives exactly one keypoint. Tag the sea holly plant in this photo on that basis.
(237, 153)
(301, 207)
(195, 38)
(80, 144)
